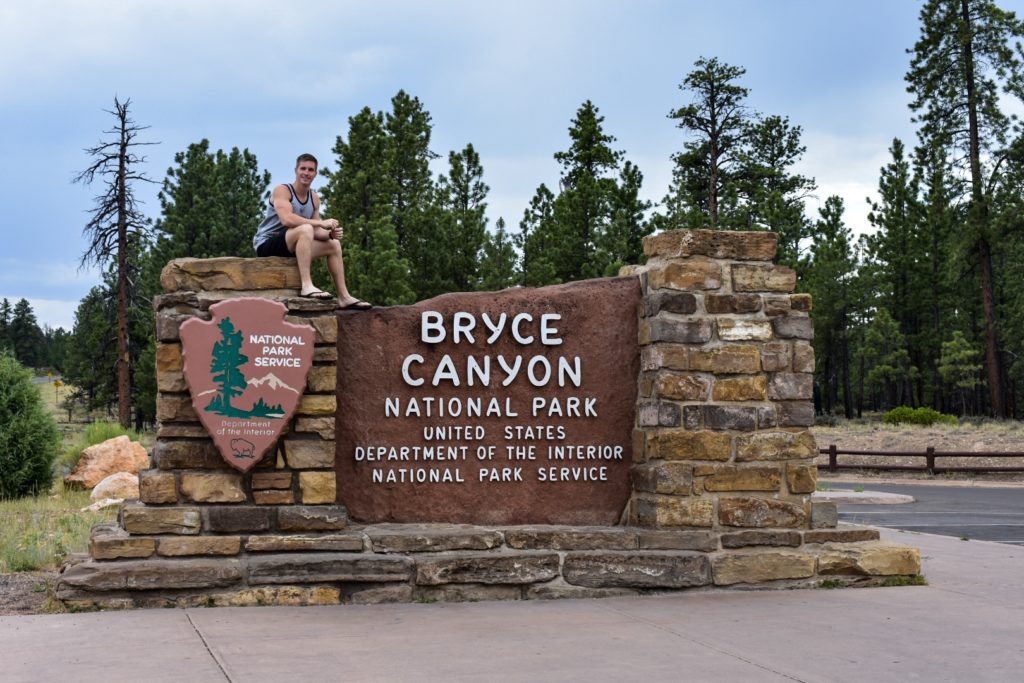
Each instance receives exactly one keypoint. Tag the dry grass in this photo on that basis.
(38, 533)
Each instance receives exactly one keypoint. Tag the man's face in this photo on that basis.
(305, 172)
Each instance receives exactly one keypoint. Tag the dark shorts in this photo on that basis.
(274, 245)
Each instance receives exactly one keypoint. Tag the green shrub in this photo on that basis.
(95, 433)
(925, 417)
(29, 437)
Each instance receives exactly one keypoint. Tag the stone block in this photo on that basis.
(174, 408)
(139, 575)
(308, 453)
(419, 538)
(737, 359)
(168, 325)
(467, 593)
(199, 545)
(273, 497)
(758, 277)
(777, 305)
(776, 356)
(675, 330)
(280, 596)
(760, 566)
(682, 386)
(732, 478)
(824, 515)
(212, 487)
(801, 302)
(322, 378)
(747, 388)
(487, 568)
(869, 558)
(674, 478)
(318, 487)
(793, 327)
(323, 426)
(345, 542)
(110, 542)
(776, 446)
(138, 519)
(651, 569)
(670, 301)
(767, 417)
(312, 518)
(739, 418)
(671, 539)
(732, 303)
(182, 302)
(692, 275)
(157, 487)
(271, 480)
(758, 537)
(726, 244)
(678, 444)
(171, 382)
(381, 595)
(194, 275)
(168, 359)
(328, 567)
(325, 354)
(693, 417)
(801, 478)
(671, 511)
(669, 414)
(803, 357)
(235, 519)
(795, 413)
(317, 405)
(791, 386)
(555, 590)
(639, 445)
(186, 454)
(570, 538)
(738, 329)
(326, 327)
(664, 356)
(169, 430)
(843, 534)
(760, 513)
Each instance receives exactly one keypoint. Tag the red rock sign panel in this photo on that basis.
(509, 407)
(246, 370)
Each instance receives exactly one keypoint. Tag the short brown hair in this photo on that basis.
(307, 157)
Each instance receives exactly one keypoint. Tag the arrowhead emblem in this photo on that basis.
(246, 370)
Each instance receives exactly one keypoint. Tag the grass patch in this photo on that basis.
(905, 580)
(38, 533)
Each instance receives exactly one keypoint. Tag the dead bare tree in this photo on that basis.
(116, 228)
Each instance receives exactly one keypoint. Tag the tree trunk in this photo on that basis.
(124, 386)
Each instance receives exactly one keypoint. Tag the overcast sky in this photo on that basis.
(283, 78)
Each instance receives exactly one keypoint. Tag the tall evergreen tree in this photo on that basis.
(5, 322)
(498, 263)
(26, 338)
(960, 66)
(462, 201)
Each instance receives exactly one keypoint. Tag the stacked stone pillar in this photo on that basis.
(722, 438)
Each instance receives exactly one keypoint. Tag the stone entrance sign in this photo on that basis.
(505, 407)
(246, 370)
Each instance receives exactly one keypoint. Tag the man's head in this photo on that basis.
(305, 169)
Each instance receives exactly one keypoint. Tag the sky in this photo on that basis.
(283, 78)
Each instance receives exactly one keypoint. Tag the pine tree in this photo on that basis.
(26, 338)
(538, 240)
(716, 120)
(5, 322)
(117, 230)
(498, 263)
(959, 67)
(959, 367)
(622, 242)
(462, 201)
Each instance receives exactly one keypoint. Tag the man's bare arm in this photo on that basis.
(289, 219)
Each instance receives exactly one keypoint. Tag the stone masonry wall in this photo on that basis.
(722, 438)
(722, 477)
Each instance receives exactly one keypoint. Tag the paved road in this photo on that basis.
(985, 514)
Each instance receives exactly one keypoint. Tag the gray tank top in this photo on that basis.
(272, 225)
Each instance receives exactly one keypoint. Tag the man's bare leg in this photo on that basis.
(300, 242)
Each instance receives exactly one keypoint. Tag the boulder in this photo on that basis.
(98, 462)
(123, 485)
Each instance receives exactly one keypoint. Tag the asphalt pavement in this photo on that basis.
(965, 625)
(964, 512)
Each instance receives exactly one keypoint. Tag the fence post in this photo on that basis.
(833, 458)
(930, 459)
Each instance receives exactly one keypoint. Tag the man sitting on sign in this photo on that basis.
(293, 227)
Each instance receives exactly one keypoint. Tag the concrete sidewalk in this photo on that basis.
(967, 624)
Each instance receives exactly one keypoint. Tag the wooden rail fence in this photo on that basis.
(929, 455)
